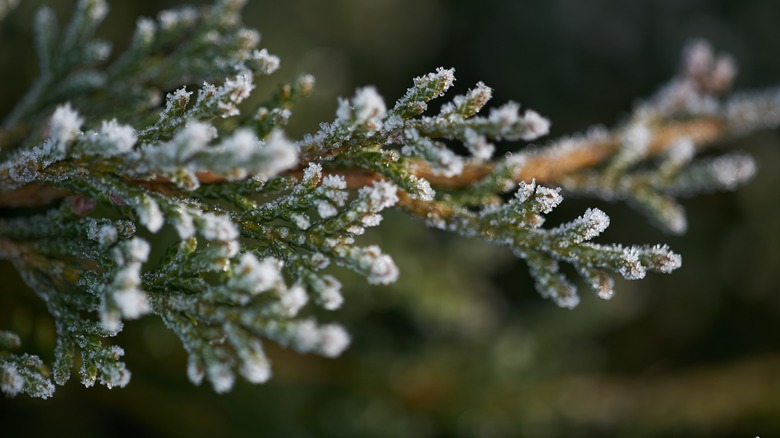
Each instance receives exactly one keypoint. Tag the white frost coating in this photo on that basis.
(632, 268)
(248, 38)
(306, 336)
(193, 138)
(281, 154)
(366, 108)
(525, 190)
(6, 6)
(98, 11)
(195, 370)
(177, 99)
(478, 145)
(145, 28)
(300, 220)
(333, 340)
(569, 300)
(535, 126)
(65, 125)
(293, 300)
(312, 173)
(230, 94)
(110, 318)
(505, 116)
(325, 209)
(444, 78)
(267, 63)
(424, 191)
(122, 137)
(595, 222)
(381, 195)
(547, 199)
(382, 268)
(674, 218)
(635, 140)
(184, 224)
(105, 235)
(255, 366)
(216, 227)
(681, 152)
(369, 105)
(445, 161)
(149, 214)
(334, 182)
(241, 144)
(240, 87)
(132, 303)
(732, 170)
(137, 249)
(329, 290)
(603, 284)
(344, 110)
(356, 230)
(669, 262)
(11, 382)
(371, 220)
(221, 377)
(171, 19)
(255, 276)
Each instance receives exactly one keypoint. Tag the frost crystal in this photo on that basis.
(371, 220)
(65, 125)
(252, 210)
(11, 382)
(145, 29)
(301, 220)
(219, 228)
(382, 267)
(122, 137)
(132, 303)
(192, 139)
(183, 223)
(478, 145)
(149, 214)
(105, 235)
(268, 63)
(730, 172)
(293, 299)
(255, 276)
(334, 340)
(535, 125)
(281, 153)
(369, 105)
(330, 293)
(221, 377)
(547, 198)
(595, 222)
(632, 268)
(382, 195)
(195, 370)
(325, 209)
(241, 144)
(334, 182)
(255, 366)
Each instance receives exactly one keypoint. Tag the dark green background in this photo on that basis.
(462, 345)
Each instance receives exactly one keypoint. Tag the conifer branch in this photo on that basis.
(257, 217)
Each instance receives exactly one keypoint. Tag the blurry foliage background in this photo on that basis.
(462, 345)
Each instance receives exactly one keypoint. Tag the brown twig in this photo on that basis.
(547, 166)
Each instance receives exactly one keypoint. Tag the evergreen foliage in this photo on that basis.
(113, 150)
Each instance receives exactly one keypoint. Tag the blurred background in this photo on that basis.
(462, 346)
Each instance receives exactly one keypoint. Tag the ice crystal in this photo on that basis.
(258, 216)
